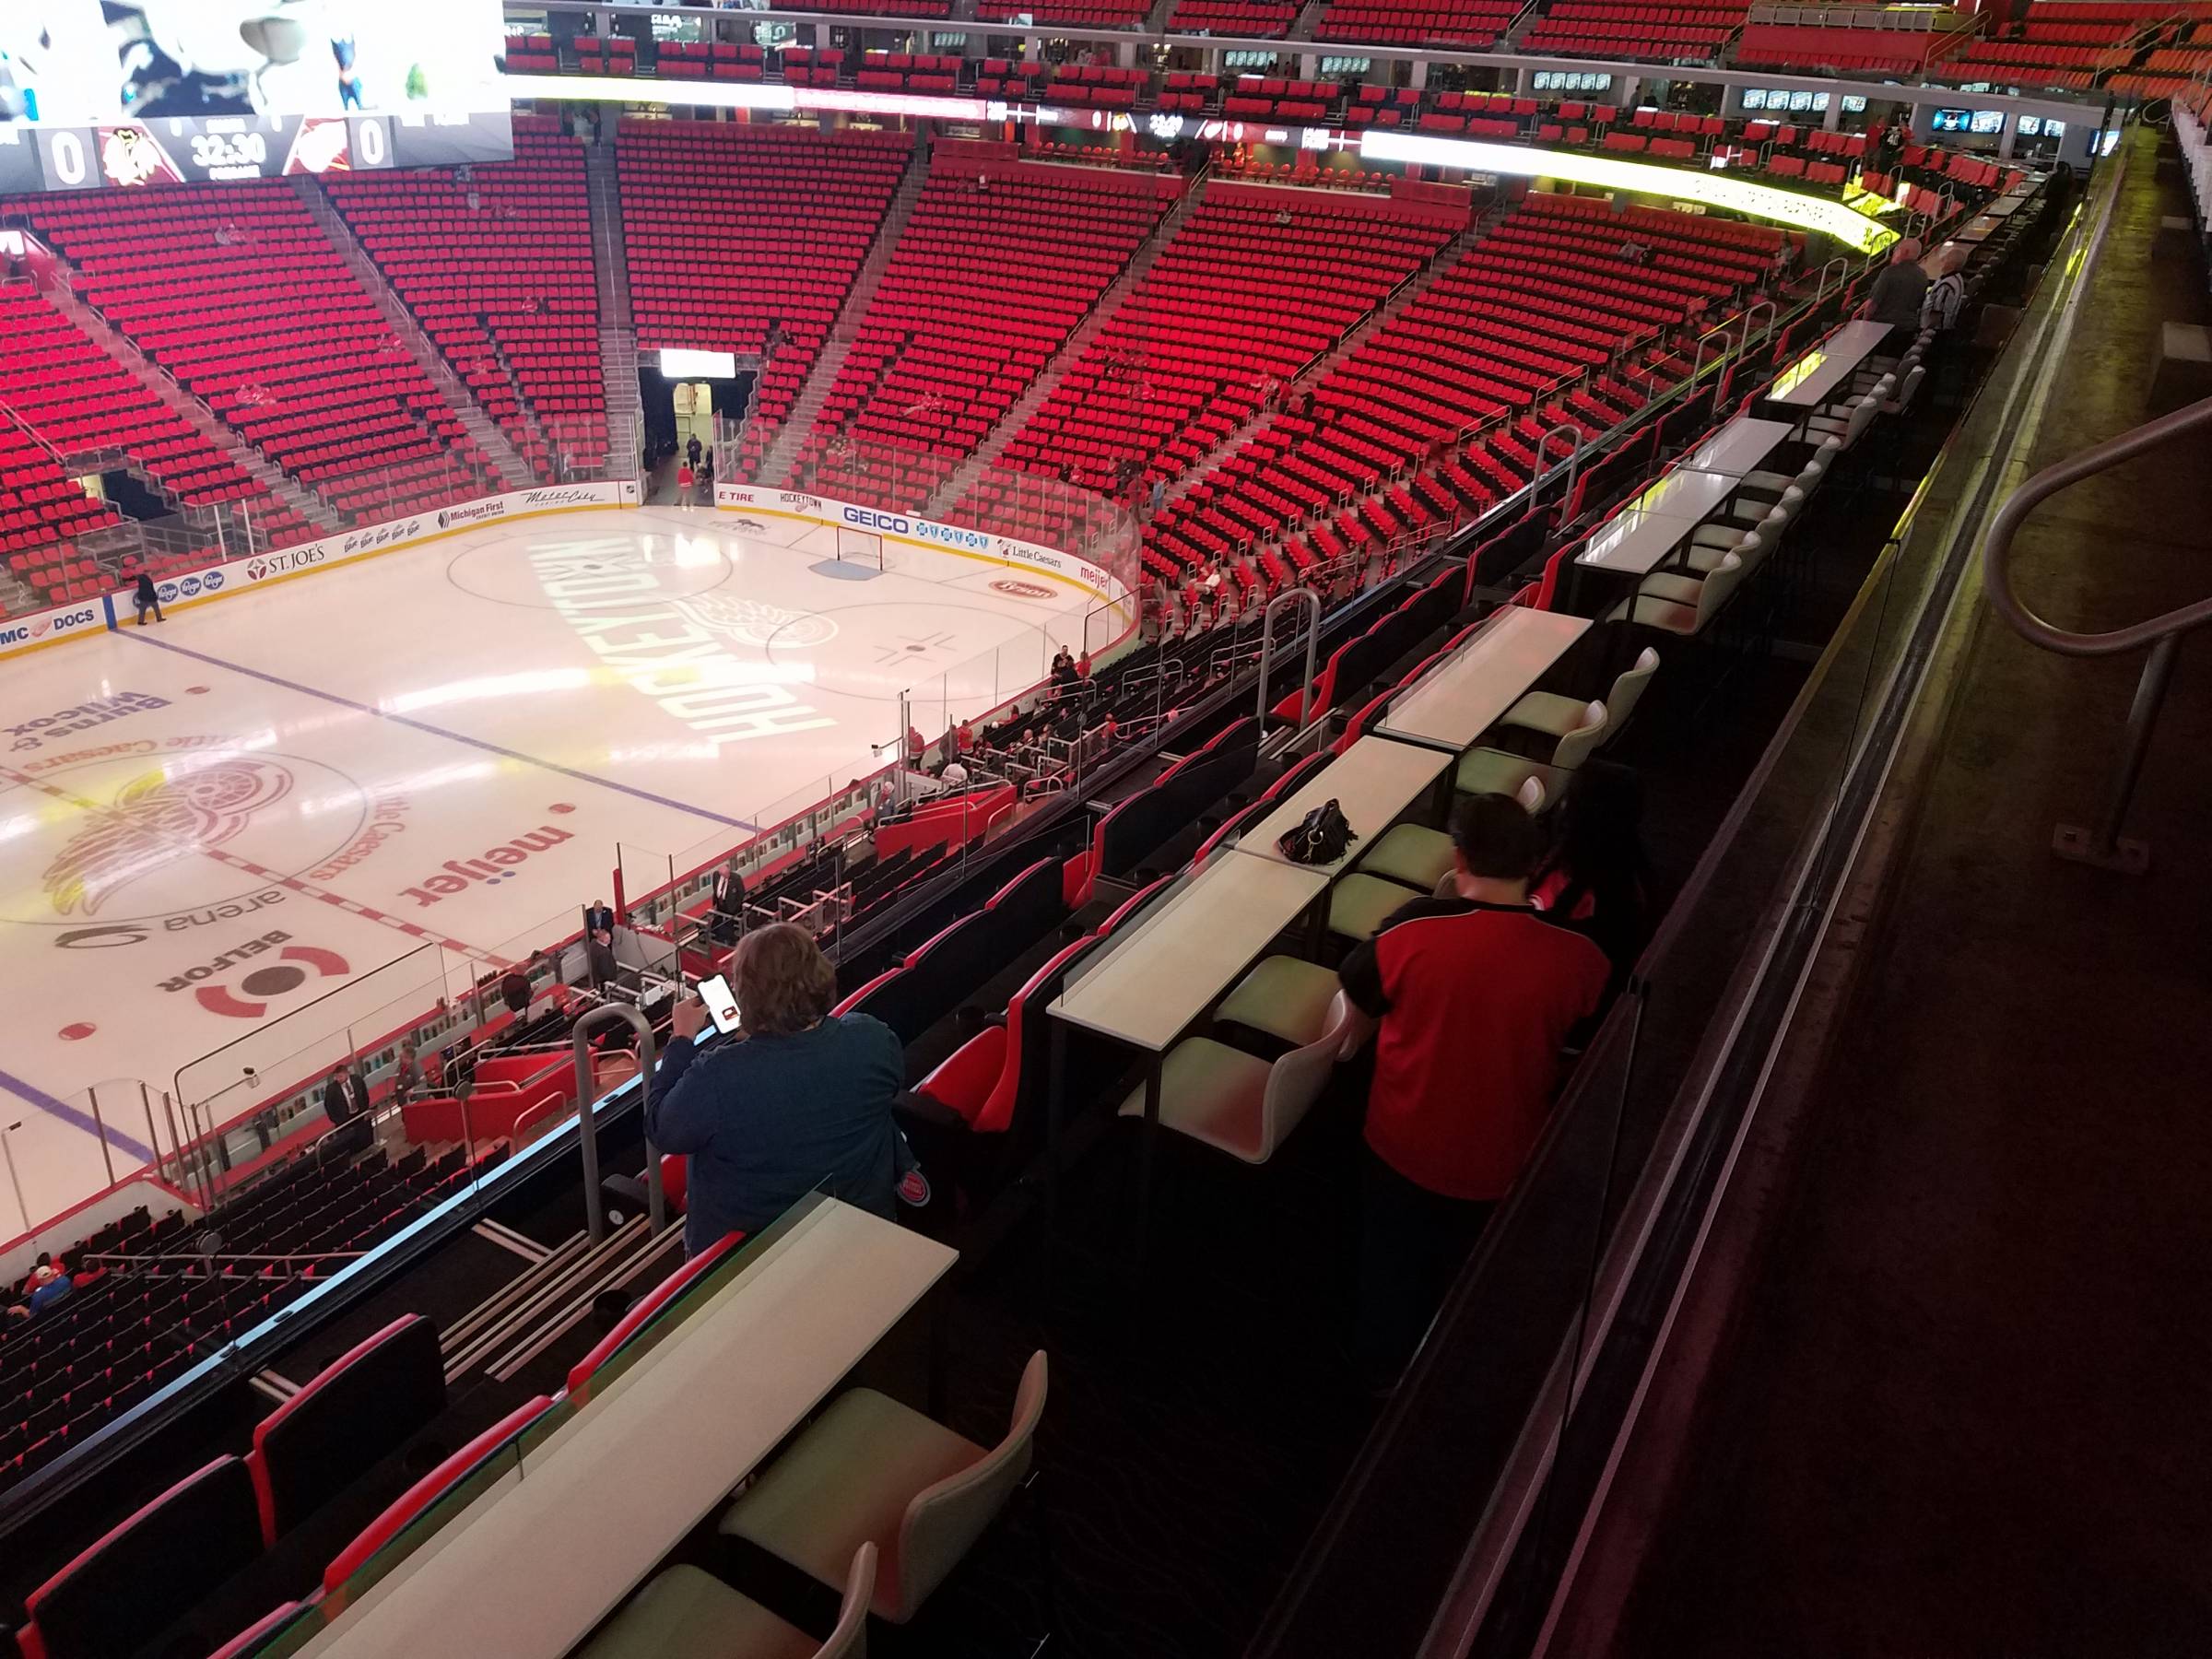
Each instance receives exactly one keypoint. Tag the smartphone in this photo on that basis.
(721, 1002)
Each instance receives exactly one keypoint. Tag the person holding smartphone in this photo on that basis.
(801, 1100)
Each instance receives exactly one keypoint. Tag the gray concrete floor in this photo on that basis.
(1964, 1413)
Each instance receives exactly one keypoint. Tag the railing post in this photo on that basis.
(107, 1155)
(587, 1123)
(2108, 849)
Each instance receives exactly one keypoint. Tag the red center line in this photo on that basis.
(350, 906)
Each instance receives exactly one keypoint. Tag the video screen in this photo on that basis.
(96, 62)
(1755, 98)
(1950, 121)
(1987, 121)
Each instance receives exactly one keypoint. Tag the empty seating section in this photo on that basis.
(1530, 323)
(1475, 23)
(735, 231)
(74, 403)
(1689, 31)
(1257, 18)
(986, 284)
(131, 1329)
(1799, 46)
(235, 290)
(494, 262)
(1256, 284)
(1074, 14)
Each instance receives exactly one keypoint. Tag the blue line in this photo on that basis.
(71, 1115)
(424, 725)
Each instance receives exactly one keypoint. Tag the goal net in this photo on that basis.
(860, 548)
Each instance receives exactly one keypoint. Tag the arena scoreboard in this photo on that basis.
(123, 93)
(205, 149)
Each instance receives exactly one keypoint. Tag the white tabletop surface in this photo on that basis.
(543, 1555)
(1638, 538)
(1373, 781)
(1159, 977)
(1463, 696)
(1742, 446)
(1820, 371)
(2005, 206)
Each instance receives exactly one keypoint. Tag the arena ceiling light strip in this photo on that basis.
(741, 95)
(1715, 190)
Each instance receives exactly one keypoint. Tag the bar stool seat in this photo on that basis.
(1417, 856)
(1284, 996)
(1360, 903)
(686, 1613)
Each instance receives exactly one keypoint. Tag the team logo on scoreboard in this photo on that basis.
(156, 819)
(1020, 590)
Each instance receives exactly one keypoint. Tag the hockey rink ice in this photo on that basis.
(271, 795)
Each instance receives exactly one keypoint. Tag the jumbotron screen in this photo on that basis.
(131, 92)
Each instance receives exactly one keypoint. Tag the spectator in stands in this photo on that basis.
(406, 1074)
(801, 1100)
(728, 903)
(1477, 995)
(599, 960)
(1946, 299)
(146, 598)
(48, 1285)
(1897, 293)
(1634, 252)
(1596, 878)
(954, 776)
(963, 738)
(345, 1095)
(916, 747)
(1160, 496)
(982, 183)
(1063, 668)
(1785, 260)
(514, 989)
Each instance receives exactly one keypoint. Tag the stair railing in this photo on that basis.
(2104, 847)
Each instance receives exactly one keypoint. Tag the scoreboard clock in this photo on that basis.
(226, 148)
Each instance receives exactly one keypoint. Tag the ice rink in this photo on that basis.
(208, 823)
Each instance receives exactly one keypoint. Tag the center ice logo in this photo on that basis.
(154, 819)
(750, 622)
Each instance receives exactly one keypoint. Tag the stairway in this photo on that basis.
(987, 454)
(515, 472)
(195, 413)
(775, 467)
(618, 328)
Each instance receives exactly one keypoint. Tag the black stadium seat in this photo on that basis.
(150, 1570)
(361, 1409)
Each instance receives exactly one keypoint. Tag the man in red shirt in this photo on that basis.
(1477, 995)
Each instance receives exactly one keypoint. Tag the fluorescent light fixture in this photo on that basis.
(727, 95)
(1729, 191)
(680, 363)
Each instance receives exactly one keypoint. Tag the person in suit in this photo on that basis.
(599, 958)
(346, 1096)
(599, 917)
(728, 903)
(144, 598)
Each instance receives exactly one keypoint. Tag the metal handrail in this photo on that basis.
(2161, 633)
(1996, 548)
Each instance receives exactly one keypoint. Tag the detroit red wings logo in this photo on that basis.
(750, 622)
(154, 819)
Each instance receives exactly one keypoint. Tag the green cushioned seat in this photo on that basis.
(1546, 711)
(1359, 903)
(687, 1614)
(1283, 997)
(1417, 856)
(846, 1481)
(1207, 1090)
(1493, 771)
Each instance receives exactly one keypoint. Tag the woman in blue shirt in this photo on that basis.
(799, 1100)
